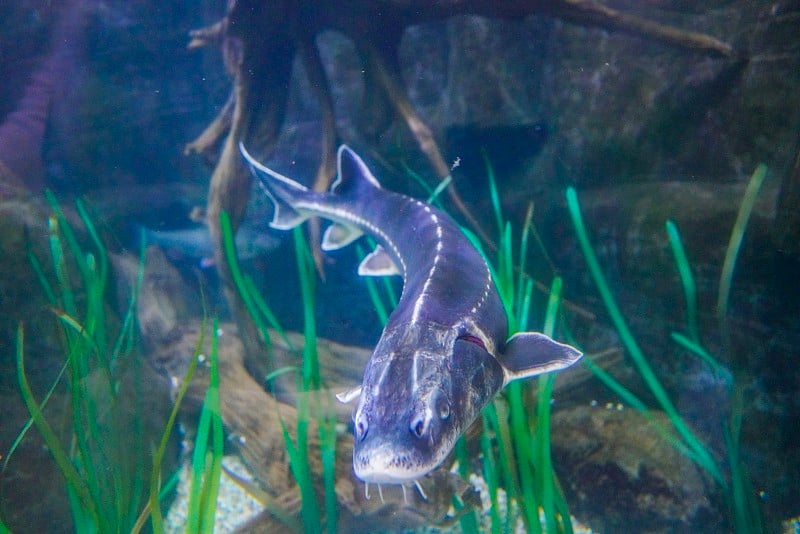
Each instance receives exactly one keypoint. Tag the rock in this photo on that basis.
(626, 225)
(619, 474)
(787, 223)
(164, 301)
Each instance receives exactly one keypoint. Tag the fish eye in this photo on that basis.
(444, 409)
(418, 427)
(361, 427)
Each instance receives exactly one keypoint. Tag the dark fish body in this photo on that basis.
(443, 354)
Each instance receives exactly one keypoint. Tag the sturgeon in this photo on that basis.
(444, 353)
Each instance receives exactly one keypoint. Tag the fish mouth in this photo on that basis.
(383, 476)
(386, 465)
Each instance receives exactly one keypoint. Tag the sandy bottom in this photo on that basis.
(235, 505)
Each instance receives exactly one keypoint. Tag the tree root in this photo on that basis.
(259, 41)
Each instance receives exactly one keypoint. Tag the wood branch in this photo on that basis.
(419, 129)
(266, 34)
(229, 191)
(591, 13)
(213, 34)
(261, 65)
(206, 141)
(588, 13)
(315, 70)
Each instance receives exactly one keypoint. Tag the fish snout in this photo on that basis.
(402, 452)
(386, 463)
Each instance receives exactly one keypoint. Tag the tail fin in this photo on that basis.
(280, 189)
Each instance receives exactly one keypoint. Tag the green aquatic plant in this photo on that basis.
(152, 509)
(257, 308)
(689, 444)
(467, 519)
(106, 468)
(309, 381)
(207, 462)
(736, 486)
(524, 447)
(104, 472)
(312, 399)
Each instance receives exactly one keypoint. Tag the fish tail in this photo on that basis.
(283, 191)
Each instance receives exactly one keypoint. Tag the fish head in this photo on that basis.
(422, 388)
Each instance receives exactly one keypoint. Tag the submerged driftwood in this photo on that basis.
(254, 419)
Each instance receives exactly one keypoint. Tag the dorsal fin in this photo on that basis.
(353, 174)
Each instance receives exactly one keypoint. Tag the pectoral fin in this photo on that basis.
(378, 263)
(529, 354)
(346, 397)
